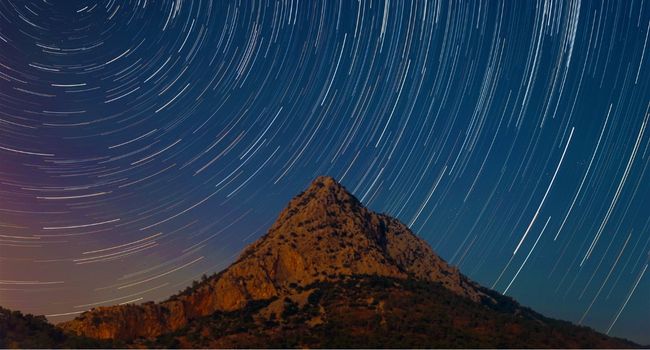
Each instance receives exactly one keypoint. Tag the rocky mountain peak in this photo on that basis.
(324, 234)
(324, 199)
(325, 211)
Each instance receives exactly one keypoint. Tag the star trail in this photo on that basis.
(144, 143)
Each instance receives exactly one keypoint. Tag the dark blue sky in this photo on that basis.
(144, 143)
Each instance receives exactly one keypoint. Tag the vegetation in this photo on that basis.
(378, 312)
(29, 331)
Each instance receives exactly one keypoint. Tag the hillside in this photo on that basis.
(381, 312)
(29, 331)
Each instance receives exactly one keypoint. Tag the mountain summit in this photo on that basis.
(323, 234)
(331, 273)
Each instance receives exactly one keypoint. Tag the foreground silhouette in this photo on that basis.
(331, 273)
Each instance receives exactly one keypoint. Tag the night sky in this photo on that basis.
(144, 143)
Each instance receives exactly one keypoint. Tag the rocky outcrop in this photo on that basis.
(323, 234)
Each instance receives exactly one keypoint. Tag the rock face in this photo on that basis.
(323, 234)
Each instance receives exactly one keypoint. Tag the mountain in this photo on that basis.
(331, 273)
(324, 232)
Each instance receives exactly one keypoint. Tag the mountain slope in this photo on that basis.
(381, 312)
